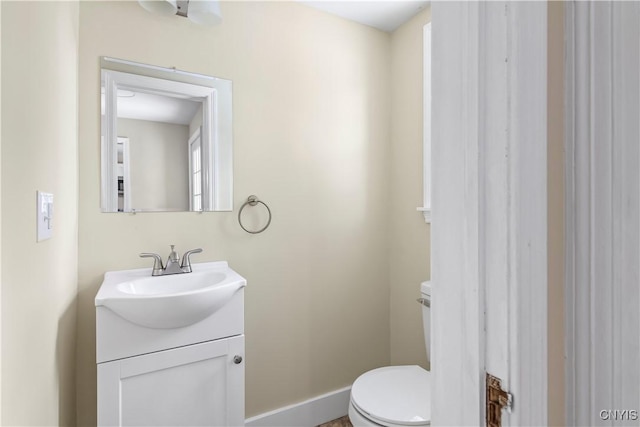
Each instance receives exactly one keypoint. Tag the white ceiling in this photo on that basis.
(156, 108)
(386, 15)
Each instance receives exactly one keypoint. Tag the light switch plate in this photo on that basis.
(44, 215)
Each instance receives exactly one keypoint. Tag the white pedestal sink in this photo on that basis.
(170, 349)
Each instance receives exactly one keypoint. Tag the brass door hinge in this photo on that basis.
(497, 400)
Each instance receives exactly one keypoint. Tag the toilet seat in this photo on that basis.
(394, 396)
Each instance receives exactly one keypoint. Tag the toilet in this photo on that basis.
(395, 396)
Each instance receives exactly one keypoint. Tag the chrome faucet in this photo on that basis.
(174, 265)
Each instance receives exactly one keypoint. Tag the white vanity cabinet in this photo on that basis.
(197, 385)
(170, 350)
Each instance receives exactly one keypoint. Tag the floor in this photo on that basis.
(340, 422)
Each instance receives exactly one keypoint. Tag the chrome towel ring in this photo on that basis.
(252, 201)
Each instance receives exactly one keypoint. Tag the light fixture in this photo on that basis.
(122, 93)
(203, 12)
(161, 7)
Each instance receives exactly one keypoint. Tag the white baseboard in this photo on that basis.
(309, 413)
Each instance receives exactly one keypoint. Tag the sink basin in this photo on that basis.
(173, 284)
(173, 301)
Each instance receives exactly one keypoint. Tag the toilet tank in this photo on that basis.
(425, 290)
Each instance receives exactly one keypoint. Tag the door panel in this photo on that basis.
(489, 247)
(197, 385)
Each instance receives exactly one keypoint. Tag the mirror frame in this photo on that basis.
(217, 137)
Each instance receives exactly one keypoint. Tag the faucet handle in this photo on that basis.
(185, 265)
(157, 263)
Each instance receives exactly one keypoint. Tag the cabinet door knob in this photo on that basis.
(237, 360)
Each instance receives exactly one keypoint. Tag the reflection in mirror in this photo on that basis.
(166, 140)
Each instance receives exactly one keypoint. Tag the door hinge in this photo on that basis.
(497, 400)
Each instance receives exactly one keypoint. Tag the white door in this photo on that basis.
(123, 175)
(195, 172)
(197, 385)
(489, 209)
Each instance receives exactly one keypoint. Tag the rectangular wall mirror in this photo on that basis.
(166, 139)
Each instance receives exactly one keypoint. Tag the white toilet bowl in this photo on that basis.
(391, 396)
(395, 396)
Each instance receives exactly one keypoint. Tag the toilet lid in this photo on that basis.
(394, 394)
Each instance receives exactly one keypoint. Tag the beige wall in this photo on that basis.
(555, 237)
(159, 164)
(39, 152)
(409, 234)
(311, 139)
